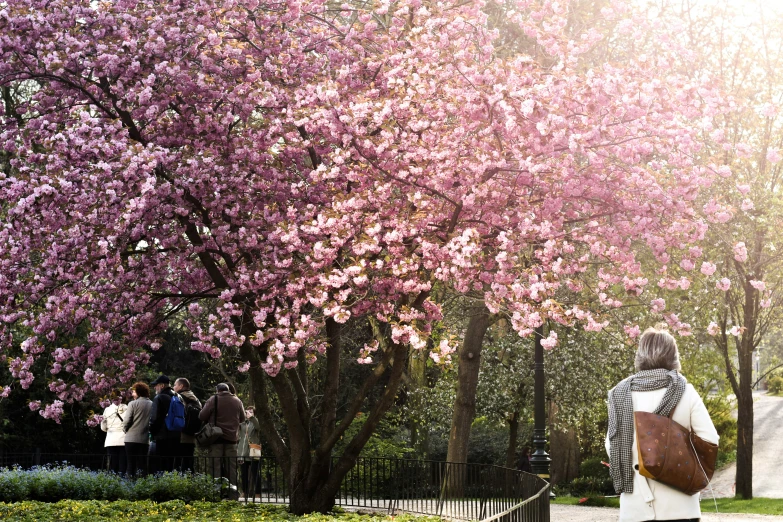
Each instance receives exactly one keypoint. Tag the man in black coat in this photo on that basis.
(166, 442)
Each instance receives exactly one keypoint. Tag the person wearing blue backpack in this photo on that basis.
(164, 421)
(187, 440)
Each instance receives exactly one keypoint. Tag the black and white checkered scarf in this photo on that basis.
(621, 418)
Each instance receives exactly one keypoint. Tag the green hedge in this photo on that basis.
(53, 483)
(148, 511)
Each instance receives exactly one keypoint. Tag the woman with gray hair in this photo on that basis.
(657, 387)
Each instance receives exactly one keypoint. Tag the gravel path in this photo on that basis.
(767, 456)
(561, 513)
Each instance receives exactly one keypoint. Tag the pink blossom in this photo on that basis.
(713, 329)
(658, 305)
(736, 331)
(765, 303)
(758, 285)
(242, 368)
(743, 189)
(723, 284)
(632, 331)
(34, 405)
(773, 155)
(740, 252)
(687, 264)
(551, 340)
(708, 268)
(747, 204)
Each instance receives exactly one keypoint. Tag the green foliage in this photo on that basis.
(53, 483)
(148, 511)
(584, 486)
(388, 441)
(593, 468)
(720, 409)
(775, 385)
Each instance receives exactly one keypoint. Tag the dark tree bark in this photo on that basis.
(564, 450)
(467, 382)
(513, 435)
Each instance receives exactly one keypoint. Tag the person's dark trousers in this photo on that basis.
(117, 459)
(185, 457)
(136, 453)
(250, 479)
(166, 451)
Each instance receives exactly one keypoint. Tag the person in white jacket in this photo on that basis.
(656, 387)
(115, 436)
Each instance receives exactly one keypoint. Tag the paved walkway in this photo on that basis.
(767, 455)
(561, 513)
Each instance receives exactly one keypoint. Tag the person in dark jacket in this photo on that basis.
(166, 442)
(187, 443)
(228, 415)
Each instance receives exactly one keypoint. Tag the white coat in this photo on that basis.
(112, 425)
(652, 500)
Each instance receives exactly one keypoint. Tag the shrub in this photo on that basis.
(585, 486)
(148, 511)
(775, 385)
(593, 468)
(53, 483)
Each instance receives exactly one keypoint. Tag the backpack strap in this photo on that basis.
(214, 413)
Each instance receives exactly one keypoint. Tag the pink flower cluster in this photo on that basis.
(270, 169)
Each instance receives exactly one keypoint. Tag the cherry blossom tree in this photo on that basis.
(742, 279)
(274, 170)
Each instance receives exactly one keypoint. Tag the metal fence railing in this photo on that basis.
(450, 490)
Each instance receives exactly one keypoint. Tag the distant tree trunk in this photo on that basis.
(513, 435)
(564, 450)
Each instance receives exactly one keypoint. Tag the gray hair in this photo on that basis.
(222, 387)
(657, 349)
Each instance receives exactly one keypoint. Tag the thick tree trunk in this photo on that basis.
(467, 382)
(465, 403)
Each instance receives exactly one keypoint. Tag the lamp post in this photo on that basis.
(539, 460)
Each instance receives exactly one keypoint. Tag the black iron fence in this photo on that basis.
(450, 490)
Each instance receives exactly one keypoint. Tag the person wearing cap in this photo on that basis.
(230, 414)
(187, 443)
(166, 442)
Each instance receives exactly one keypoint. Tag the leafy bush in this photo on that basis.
(775, 385)
(721, 410)
(585, 486)
(53, 483)
(148, 511)
(593, 468)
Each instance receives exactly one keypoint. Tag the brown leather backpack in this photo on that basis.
(666, 453)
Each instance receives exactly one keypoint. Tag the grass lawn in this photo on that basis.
(148, 511)
(759, 506)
